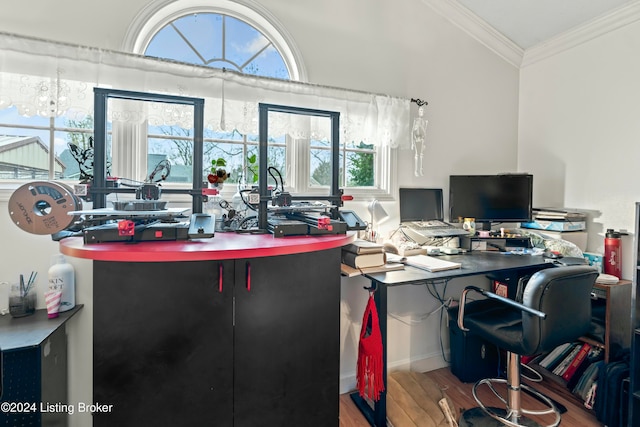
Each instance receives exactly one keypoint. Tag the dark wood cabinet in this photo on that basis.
(240, 342)
(163, 343)
(287, 350)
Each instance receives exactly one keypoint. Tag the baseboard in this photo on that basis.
(422, 363)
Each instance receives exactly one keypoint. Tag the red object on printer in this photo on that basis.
(369, 376)
(324, 223)
(126, 227)
(613, 253)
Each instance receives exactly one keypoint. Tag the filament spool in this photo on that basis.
(43, 207)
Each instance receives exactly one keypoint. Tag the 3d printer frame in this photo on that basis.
(335, 196)
(99, 189)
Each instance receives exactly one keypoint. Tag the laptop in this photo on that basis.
(422, 214)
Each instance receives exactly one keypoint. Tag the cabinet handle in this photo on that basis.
(220, 270)
(248, 276)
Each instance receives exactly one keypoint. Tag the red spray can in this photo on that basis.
(612, 253)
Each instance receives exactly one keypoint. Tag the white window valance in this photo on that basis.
(51, 79)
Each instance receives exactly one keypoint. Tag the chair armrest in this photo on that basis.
(491, 295)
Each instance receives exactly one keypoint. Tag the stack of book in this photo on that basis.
(362, 256)
(576, 363)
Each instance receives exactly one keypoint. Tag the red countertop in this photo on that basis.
(221, 246)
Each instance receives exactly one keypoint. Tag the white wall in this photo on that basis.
(401, 48)
(579, 132)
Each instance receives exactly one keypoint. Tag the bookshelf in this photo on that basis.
(612, 305)
(615, 303)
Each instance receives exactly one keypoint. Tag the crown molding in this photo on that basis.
(597, 27)
(477, 28)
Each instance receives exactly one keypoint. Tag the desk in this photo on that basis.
(473, 264)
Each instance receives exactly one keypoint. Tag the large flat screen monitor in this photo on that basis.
(421, 204)
(491, 198)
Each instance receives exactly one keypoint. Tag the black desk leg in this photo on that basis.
(377, 416)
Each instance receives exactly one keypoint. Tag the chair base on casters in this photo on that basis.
(477, 417)
(488, 417)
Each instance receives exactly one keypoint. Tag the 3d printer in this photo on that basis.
(146, 218)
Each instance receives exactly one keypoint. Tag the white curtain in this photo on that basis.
(44, 78)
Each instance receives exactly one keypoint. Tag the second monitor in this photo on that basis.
(491, 198)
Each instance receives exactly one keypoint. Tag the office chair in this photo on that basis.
(555, 309)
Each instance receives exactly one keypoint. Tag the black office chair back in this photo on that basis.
(564, 294)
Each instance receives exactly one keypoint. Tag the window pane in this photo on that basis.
(277, 172)
(204, 32)
(177, 150)
(24, 155)
(268, 63)
(77, 154)
(320, 161)
(360, 167)
(232, 155)
(242, 41)
(167, 43)
(24, 152)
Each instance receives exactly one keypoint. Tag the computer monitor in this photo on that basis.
(421, 204)
(491, 198)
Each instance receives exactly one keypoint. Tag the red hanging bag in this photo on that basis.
(369, 375)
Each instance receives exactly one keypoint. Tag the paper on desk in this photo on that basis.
(395, 258)
(431, 263)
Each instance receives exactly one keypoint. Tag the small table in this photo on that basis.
(34, 368)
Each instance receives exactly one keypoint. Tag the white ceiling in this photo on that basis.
(528, 23)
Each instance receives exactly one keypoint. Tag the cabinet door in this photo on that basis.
(163, 343)
(287, 340)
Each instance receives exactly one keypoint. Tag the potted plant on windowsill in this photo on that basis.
(218, 174)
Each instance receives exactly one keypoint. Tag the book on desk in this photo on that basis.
(362, 257)
(363, 260)
(363, 247)
(362, 253)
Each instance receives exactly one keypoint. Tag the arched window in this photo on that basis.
(242, 37)
(220, 41)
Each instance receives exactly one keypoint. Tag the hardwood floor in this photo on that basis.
(460, 394)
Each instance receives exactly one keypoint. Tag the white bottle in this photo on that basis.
(62, 278)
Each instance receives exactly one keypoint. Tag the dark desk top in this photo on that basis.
(30, 331)
(472, 264)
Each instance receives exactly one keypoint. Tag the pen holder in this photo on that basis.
(21, 305)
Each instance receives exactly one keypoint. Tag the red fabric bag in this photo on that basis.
(369, 373)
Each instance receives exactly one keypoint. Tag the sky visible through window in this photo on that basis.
(218, 41)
